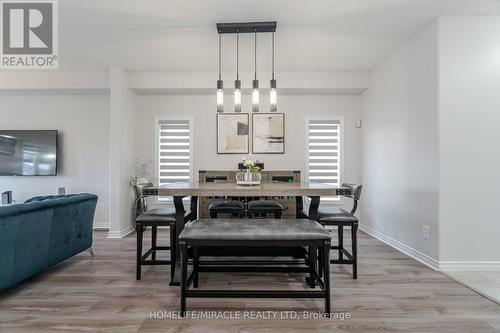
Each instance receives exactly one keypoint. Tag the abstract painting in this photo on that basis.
(232, 133)
(268, 133)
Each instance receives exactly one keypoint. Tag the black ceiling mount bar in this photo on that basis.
(246, 27)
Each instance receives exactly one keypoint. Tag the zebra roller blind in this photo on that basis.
(323, 162)
(174, 151)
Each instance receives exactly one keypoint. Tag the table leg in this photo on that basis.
(313, 208)
(179, 226)
(193, 206)
(180, 221)
(299, 208)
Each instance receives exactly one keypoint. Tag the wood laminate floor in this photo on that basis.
(393, 293)
(485, 283)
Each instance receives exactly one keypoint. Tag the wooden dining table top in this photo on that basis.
(233, 189)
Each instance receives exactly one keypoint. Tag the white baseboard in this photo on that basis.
(409, 251)
(444, 266)
(465, 266)
(101, 225)
(121, 233)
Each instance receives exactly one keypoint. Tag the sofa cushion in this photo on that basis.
(42, 232)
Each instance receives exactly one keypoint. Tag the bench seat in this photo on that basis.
(254, 229)
(256, 233)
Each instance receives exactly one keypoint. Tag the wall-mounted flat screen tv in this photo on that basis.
(28, 153)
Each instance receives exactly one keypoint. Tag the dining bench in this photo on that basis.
(228, 233)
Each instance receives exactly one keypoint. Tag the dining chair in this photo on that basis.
(334, 216)
(223, 205)
(263, 207)
(154, 218)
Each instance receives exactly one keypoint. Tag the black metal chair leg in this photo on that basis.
(320, 263)
(154, 233)
(340, 230)
(313, 264)
(139, 231)
(196, 262)
(326, 279)
(277, 215)
(172, 251)
(354, 237)
(184, 260)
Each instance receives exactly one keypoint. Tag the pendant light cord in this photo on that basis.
(237, 55)
(255, 55)
(273, 56)
(220, 57)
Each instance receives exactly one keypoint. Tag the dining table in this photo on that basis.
(193, 190)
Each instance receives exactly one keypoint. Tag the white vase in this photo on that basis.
(248, 178)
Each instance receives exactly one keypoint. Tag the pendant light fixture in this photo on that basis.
(272, 93)
(246, 28)
(220, 84)
(237, 83)
(255, 82)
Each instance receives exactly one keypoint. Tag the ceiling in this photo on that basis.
(180, 35)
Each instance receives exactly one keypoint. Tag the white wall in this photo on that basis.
(295, 107)
(123, 111)
(469, 141)
(400, 155)
(83, 124)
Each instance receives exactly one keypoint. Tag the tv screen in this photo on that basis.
(28, 153)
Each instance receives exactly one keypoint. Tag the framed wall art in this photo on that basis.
(268, 133)
(232, 133)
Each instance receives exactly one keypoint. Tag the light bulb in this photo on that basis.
(237, 96)
(255, 96)
(273, 97)
(220, 96)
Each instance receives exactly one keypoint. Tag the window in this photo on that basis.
(174, 151)
(324, 154)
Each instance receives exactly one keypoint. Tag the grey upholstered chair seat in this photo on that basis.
(267, 206)
(254, 229)
(334, 214)
(166, 215)
(226, 204)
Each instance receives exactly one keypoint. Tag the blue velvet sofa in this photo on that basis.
(42, 232)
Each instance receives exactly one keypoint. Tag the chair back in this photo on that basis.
(355, 194)
(141, 204)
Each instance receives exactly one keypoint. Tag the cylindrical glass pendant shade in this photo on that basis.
(273, 97)
(220, 96)
(237, 96)
(255, 95)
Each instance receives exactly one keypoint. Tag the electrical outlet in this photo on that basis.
(426, 232)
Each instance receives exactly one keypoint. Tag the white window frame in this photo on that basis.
(340, 119)
(157, 150)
